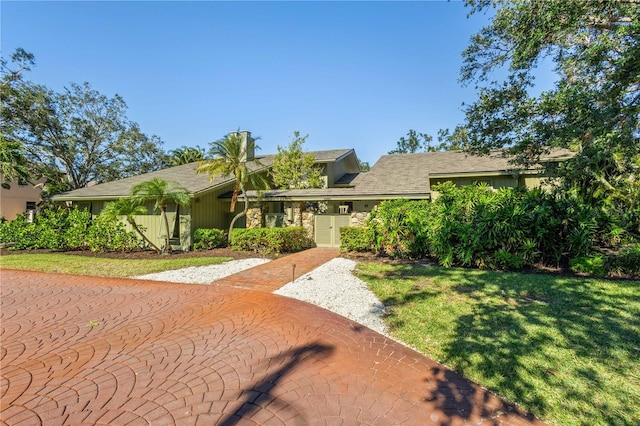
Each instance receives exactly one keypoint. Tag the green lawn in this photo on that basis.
(70, 264)
(564, 348)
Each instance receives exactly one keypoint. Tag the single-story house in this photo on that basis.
(348, 196)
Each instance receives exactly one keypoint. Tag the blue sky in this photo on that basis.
(350, 74)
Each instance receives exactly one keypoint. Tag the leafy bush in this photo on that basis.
(399, 228)
(625, 262)
(209, 238)
(107, 233)
(594, 265)
(67, 229)
(356, 238)
(271, 240)
(55, 229)
(475, 225)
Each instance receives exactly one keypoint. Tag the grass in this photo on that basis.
(565, 348)
(81, 265)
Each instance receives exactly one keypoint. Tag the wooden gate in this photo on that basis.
(327, 229)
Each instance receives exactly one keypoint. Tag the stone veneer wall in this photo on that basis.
(254, 216)
(359, 218)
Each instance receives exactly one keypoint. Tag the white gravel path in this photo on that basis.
(331, 286)
(203, 274)
(334, 287)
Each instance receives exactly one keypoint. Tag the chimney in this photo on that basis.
(248, 145)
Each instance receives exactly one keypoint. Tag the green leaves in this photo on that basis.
(295, 169)
(162, 194)
(414, 142)
(593, 108)
(80, 132)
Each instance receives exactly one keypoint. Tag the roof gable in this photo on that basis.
(185, 176)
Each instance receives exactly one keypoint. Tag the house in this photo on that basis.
(19, 198)
(210, 200)
(410, 176)
(348, 196)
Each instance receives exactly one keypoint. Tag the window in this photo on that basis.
(31, 205)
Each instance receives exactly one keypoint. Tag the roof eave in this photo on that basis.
(480, 174)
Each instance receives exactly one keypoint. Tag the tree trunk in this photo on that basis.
(239, 215)
(167, 247)
(134, 225)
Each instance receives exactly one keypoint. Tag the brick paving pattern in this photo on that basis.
(85, 350)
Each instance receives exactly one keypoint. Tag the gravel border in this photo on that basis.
(334, 287)
(203, 274)
(331, 286)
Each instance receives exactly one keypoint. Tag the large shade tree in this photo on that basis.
(162, 193)
(79, 133)
(593, 108)
(228, 157)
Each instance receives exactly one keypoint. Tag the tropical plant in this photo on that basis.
(129, 208)
(229, 158)
(161, 193)
(185, 155)
(593, 108)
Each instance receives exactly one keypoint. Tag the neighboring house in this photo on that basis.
(347, 199)
(19, 199)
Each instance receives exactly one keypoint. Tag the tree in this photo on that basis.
(229, 158)
(364, 165)
(185, 155)
(295, 169)
(13, 164)
(161, 193)
(80, 131)
(452, 141)
(13, 161)
(594, 106)
(414, 142)
(128, 208)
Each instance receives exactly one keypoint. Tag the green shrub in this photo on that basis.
(54, 228)
(271, 240)
(67, 229)
(107, 233)
(399, 228)
(625, 262)
(594, 265)
(209, 238)
(356, 239)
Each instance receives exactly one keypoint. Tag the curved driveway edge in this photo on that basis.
(88, 350)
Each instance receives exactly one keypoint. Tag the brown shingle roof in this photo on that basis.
(184, 175)
(407, 175)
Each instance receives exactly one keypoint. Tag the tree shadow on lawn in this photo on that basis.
(565, 348)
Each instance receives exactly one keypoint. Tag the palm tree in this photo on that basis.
(128, 208)
(185, 155)
(162, 193)
(229, 158)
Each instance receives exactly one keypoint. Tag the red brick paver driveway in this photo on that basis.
(85, 350)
